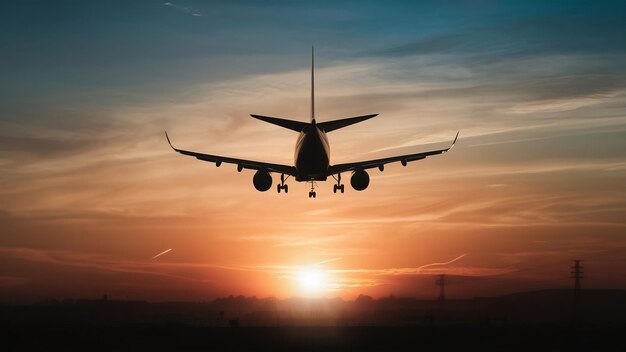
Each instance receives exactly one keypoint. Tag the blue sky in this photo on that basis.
(69, 46)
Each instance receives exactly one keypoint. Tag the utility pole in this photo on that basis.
(577, 274)
(441, 282)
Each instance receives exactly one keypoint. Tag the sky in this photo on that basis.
(93, 201)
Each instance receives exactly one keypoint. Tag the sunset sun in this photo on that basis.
(311, 280)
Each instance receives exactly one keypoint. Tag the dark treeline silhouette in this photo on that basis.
(540, 320)
(600, 307)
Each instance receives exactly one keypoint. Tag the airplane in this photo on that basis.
(312, 154)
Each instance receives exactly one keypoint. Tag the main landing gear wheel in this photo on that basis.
(282, 184)
(284, 187)
(338, 186)
(312, 194)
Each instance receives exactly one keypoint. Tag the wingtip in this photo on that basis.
(455, 138)
(168, 140)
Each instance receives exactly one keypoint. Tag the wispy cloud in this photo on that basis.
(184, 9)
(460, 271)
(558, 105)
(104, 263)
(443, 263)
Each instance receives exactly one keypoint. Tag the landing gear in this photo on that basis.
(282, 184)
(338, 186)
(312, 193)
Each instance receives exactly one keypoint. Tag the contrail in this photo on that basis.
(326, 261)
(160, 254)
(446, 263)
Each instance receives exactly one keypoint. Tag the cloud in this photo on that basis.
(558, 105)
(104, 263)
(46, 147)
(442, 264)
(436, 44)
(546, 35)
(356, 278)
(459, 271)
(184, 9)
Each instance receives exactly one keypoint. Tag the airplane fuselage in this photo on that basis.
(312, 156)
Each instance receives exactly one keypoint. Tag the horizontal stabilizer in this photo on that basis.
(337, 124)
(297, 126)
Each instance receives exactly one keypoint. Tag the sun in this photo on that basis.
(312, 280)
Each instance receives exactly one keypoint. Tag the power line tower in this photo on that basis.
(441, 282)
(577, 275)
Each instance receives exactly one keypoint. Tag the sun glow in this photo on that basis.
(312, 280)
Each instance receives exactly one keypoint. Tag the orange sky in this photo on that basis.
(90, 190)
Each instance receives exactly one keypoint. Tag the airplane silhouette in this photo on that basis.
(312, 154)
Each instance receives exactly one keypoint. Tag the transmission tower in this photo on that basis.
(441, 282)
(577, 275)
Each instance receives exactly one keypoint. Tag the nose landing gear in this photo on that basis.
(338, 186)
(282, 184)
(312, 193)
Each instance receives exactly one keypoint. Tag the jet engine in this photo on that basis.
(262, 181)
(360, 180)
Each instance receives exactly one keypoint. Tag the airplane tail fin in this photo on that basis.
(299, 126)
(329, 126)
(312, 86)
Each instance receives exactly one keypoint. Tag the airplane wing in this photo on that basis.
(241, 163)
(369, 164)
